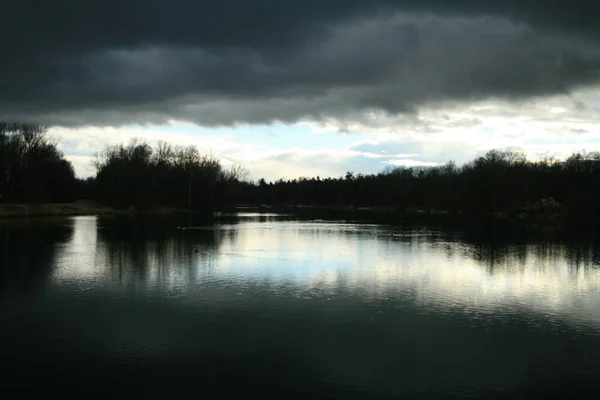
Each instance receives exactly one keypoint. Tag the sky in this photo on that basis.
(307, 88)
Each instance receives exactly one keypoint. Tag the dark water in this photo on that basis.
(270, 307)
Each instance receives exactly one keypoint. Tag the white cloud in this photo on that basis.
(403, 162)
(271, 162)
(83, 165)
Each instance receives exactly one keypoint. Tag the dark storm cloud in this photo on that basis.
(112, 62)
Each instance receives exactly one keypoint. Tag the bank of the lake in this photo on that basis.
(76, 208)
(529, 217)
(52, 209)
(534, 217)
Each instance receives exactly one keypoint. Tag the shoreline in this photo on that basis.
(77, 208)
(52, 209)
(531, 218)
(379, 214)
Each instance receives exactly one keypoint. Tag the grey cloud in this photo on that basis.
(257, 62)
(580, 105)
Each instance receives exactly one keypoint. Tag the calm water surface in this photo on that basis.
(269, 306)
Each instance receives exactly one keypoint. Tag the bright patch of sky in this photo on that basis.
(552, 127)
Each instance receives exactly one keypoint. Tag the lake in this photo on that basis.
(275, 306)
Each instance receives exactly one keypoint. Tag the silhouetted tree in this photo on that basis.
(140, 175)
(33, 170)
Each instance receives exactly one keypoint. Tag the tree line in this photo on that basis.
(140, 175)
(34, 170)
(499, 182)
(137, 174)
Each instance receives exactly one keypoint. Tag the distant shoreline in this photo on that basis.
(379, 214)
(532, 217)
(74, 209)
